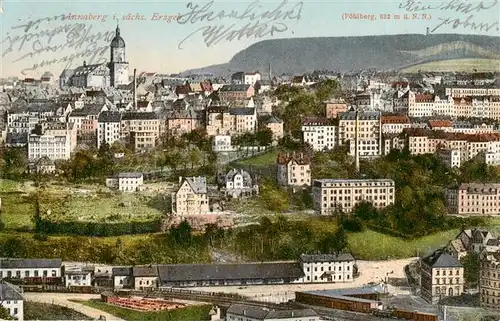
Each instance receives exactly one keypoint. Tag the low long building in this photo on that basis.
(30, 268)
(311, 268)
(344, 194)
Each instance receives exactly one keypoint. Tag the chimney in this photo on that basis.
(84, 63)
(244, 312)
(135, 89)
(293, 314)
(180, 179)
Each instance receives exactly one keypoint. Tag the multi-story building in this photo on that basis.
(239, 312)
(109, 128)
(343, 194)
(141, 129)
(319, 133)
(489, 280)
(12, 300)
(126, 182)
(394, 124)
(223, 120)
(293, 169)
(28, 268)
(474, 199)
(469, 91)
(276, 126)
(369, 132)
(451, 157)
(441, 275)
(236, 92)
(54, 147)
(191, 198)
(421, 141)
(182, 122)
(238, 183)
(333, 107)
(328, 267)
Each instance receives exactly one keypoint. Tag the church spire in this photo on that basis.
(117, 27)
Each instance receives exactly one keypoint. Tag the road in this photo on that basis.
(62, 300)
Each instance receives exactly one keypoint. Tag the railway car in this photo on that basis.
(413, 315)
(338, 302)
(80, 289)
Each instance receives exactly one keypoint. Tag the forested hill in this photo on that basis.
(299, 55)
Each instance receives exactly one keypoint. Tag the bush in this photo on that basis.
(40, 237)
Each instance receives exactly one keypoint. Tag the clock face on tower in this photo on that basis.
(118, 55)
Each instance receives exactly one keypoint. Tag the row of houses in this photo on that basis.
(310, 268)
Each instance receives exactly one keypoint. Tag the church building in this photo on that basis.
(114, 73)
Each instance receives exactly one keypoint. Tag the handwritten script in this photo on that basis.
(467, 8)
(254, 21)
(52, 35)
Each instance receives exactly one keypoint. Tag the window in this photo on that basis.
(45, 273)
(54, 273)
(36, 273)
(26, 274)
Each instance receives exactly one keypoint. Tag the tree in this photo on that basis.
(195, 157)
(181, 233)
(471, 264)
(327, 89)
(15, 162)
(264, 137)
(4, 314)
(274, 198)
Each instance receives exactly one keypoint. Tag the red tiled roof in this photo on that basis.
(395, 119)
(316, 121)
(422, 98)
(299, 158)
(399, 83)
(440, 123)
(439, 134)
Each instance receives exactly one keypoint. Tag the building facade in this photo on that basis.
(319, 133)
(29, 268)
(343, 194)
(53, 147)
(328, 267)
(126, 181)
(474, 199)
(293, 169)
(12, 300)
(239, 312)
(489, 280)
(191, 198)
(441, 276)
(108, 128)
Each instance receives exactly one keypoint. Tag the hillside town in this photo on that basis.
(369, 195)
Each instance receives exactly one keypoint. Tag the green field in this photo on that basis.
(268, 158)
(370, 245)
(45, 311)
(89, 203)
(457, 65)
(192, 313)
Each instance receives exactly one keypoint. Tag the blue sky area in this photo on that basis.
(153, 45)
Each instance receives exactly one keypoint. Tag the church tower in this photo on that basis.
(118, 65)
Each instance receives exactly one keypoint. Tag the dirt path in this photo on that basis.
(370, 271)
(62, 300)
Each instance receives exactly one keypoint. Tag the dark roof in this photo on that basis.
(203, 272)
(129, 175)
(234, 87)
(260, 313)
(363, 115)
(139, 115)
(310, 258)
(109, 117)
(242, 111)
(441, 259)
(8, 263)
(347, 292)
(117, 41)
(9, 292)
(122, 271)
(145, 271)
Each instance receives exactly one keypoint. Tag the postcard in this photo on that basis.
(250, 160)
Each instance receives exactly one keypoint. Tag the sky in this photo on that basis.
(153, 45)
